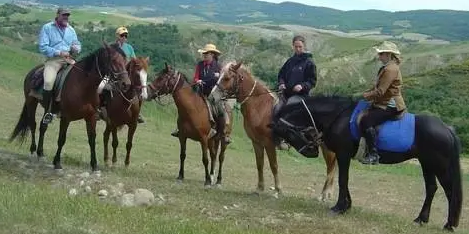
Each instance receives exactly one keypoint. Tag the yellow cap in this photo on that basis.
(121, 30)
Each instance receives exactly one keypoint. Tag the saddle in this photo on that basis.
(37, 82)
(395, 135)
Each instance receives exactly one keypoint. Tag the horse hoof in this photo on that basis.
(218, 185)
(336, 211)
(41, 159)
(420, 221)
(96, 173)
(207, 186)
(59, 172)
(448, 227)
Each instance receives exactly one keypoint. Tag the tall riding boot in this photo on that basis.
(372, 156)
(46, 97)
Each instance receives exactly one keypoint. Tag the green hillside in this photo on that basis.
(440, 24)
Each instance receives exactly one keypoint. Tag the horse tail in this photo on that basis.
(22, 127)
(455, 175)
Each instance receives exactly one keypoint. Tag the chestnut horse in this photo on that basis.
(193, 120)
(124, 108)
(78, 99)
(257, 103)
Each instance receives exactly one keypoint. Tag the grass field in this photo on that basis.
(34, 199)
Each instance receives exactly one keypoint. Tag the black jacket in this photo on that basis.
(298, 69)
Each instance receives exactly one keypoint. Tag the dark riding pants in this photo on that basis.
(377, 116)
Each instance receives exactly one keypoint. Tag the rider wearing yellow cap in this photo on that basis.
(121, 39)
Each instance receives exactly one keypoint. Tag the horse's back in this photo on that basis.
(432, 131)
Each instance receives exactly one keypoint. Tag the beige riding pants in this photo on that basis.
(51, 68)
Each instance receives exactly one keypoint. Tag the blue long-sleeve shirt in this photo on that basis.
(53, 40)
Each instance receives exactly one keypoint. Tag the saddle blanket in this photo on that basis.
(393, 135)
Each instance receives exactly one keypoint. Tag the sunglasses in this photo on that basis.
(124, 35)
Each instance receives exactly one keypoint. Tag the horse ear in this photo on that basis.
(236, 67)
(166, 66)
(106, 45)
(147, 59)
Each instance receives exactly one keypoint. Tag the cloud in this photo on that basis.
(394, 5)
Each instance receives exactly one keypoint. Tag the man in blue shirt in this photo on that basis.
(58, 42)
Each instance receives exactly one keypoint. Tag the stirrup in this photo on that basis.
(47, 118)
(370, 158)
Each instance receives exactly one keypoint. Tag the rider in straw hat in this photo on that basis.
(206, 75)
(385, 97)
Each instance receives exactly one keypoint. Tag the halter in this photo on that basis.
(157, 91)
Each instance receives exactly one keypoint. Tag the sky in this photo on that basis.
(387, 5)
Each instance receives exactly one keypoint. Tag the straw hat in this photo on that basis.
(121, 30)
(387, 46)
(209, 48)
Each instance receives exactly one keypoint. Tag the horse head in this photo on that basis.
(111, 62)
(304, 125)
(138, 71)
(166, 82)
(231, 78)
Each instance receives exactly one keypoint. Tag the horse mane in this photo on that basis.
(89, 60)
(327, 102)
(245, 71)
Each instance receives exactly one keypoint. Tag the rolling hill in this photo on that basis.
(437, 24)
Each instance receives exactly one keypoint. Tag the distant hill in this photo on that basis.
(440, 24)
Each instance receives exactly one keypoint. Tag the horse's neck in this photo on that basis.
(253, 92)
(185, 99)
(93, 77)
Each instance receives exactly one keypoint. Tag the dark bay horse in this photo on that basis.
(124, 108)
(420, 136)
(257, 103)
(193, 120)
(78, 99)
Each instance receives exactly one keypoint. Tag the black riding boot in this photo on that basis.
(46, 97)
(372, 156)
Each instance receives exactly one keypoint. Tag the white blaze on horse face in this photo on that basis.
(143, 79)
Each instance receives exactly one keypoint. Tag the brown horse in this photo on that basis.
(78, 99)
(193, 120)
(257, 103)
(124, 108)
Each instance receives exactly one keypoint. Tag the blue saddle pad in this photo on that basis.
(393, 135)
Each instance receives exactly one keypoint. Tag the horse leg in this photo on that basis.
(64, 123)
(115, 144)
(40, 145)
(272, 156)
(182, 157)
(430, 189)
(344, 201)
(221, 158)
(106, 134)
(212, 146)
(32, 124)
(128, 146)
(445, 180)
(91, 131)
(259, 151)
(331, 160)
(204, 146)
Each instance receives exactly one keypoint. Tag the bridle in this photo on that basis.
(161, 90)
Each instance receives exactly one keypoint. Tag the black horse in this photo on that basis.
(424, 137)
